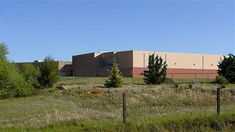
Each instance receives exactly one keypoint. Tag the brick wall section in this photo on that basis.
(181, 73)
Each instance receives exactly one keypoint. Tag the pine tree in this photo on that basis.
(115, 78)
(49, 73)
(3, 51)
(156, 73)
(227, 68)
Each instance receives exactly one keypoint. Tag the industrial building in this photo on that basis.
(132, 64)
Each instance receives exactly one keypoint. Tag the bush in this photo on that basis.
(49, 73)
(115, 78)
(3, 51)
(227, 68)
(156, 73)
(12, 84)
(31, 74)
(221, 80)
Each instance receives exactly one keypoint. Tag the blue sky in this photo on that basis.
(33, 29)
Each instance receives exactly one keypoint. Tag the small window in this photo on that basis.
(211, 64)
(175, 63)
(194, 64)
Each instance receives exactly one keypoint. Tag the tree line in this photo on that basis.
(23, 81)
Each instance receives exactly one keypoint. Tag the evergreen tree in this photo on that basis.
(156, 73)
(3, 51)
(227, 68)
(115, 78)
(49, 73)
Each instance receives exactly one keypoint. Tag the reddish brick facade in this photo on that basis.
(181, 73)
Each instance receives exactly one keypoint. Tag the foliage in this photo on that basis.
(12, 84)
(115, 78)
(49, 73)
(227, 68)
(221, 80)
(156, 73)
(3, 51)
(31, 74)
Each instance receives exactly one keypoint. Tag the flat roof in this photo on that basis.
(149, 51)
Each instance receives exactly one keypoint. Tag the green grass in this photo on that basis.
(172, 122)
(127, 80)
(97, 80)
(199, 121)
(203, 81)
(149, 108)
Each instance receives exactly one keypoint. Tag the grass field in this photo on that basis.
(127, 80)
(86, 106)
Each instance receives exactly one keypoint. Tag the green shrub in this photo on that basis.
(156, 73)
(3, 51)
(31, 74)
(115, 78)
(12, 84)
(227, 68)
(221, 80)
(49, 73)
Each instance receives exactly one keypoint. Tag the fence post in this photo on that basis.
(218, 101)
(124, 114)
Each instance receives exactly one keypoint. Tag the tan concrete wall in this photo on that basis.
(84, 65)
(125, 62)
(99, 64)
(103, 63)
(132, 63)
(180, 65)
(65, 68)
(105, 59)
(61, 64)
(211, 61)
(178, 60)
(123, 59)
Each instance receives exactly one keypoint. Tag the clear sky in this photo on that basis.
(33, 29)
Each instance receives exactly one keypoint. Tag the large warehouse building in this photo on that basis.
(132, 64)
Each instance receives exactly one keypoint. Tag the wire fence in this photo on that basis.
(134, 101)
